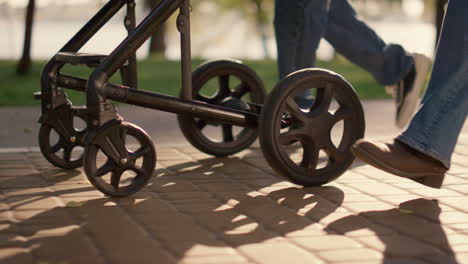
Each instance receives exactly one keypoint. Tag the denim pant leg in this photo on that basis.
(299, 26)
(362, 46)
(435, 128)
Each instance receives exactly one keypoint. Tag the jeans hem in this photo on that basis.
(424, 149)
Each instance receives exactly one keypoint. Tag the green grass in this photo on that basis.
(164, 77)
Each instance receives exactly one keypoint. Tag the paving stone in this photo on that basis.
(14, 172)
(435, 193)
(378, 189)
(33, 217)
(453, 217)
(22, 182)
(121, 239)
(34, 202)
(12, 157)
(322, 243)
(354, 255)
(44, 191)
(199, 209)
(171, 186)
(12, 240)
(408, 185)
(460, 227)
(280, 253)
(368, 206)
(354, 178)
(75, 190)
(256, 235)
(203, 247)
(400, 260)
(460, 248)
(460, 188)
(399, 246)
(175, 196)
(220, 187)
(199, 206)
(221, 259)
(453, 179)
(65, 244)
(449, 259)
(458, 202)
(15, 255)
(309, 231)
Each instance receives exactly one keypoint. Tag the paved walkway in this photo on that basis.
(198, 209)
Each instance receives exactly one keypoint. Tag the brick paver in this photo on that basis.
(229, 210)
(200, 210)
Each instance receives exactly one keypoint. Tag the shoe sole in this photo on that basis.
(422, 65)
(428, 178)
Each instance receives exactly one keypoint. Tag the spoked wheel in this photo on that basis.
(311, 146)
(230, 84)
(120, 160)
(60, 138)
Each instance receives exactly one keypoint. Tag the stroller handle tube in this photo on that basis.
(138, 36)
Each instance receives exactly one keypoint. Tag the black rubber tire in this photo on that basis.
(201, 76)
(45, 147)
(270, 126)
(144, 173)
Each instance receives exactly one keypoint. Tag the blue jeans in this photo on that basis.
(300, 24)
(435, 128)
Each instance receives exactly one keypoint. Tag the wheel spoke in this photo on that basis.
(139, 153)
(310, 156)
(224, 90)
(294, 109)
(67, 150)
(115, 179)
(201, 124)
(289, 137)
(138, 171)
(341, 114)
(58, 146)
(205, 99)
(113, 145)
(241, 90)
(334, 154)
(323, 100)
(227, 133)
(106, 168)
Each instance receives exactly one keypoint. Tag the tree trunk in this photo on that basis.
(24, 65)
(157, 42)
(260, 21)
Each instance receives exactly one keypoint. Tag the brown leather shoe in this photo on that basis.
(399, 159)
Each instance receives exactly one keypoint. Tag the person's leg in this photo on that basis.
(422, 153)
(403, 74)
(435, 128)
(355, 40)
(299, 26)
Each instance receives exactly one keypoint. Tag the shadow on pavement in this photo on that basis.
(404, 247)
(174, 218)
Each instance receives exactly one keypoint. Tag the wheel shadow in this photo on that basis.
(171, 219)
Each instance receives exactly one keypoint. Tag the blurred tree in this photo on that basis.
(24, 65)
(157, 42)
(261, 22)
